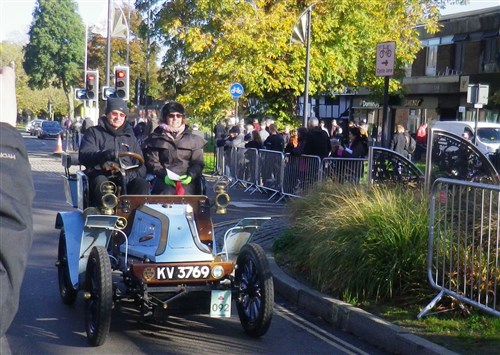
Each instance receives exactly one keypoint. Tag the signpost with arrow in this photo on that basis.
(386, 53)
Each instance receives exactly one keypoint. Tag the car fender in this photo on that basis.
(72, 223)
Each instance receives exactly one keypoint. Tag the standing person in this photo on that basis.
(255, 141)
(233, 157)
(102, 143)
(220, 133)
(275, 140)
(87, 123)
(76, 127)
(336, 130)
(16, 198)
(173, 146)
(357, 147)
(421, 139)
(398, 142)
(322, 126)
(317, 142)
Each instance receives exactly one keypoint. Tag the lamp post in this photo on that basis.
(302, 33)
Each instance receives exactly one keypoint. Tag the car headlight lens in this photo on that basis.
(217, 271)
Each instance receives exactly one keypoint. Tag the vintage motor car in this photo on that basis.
(153, 250)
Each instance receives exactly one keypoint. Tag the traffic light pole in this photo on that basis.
(108, 43)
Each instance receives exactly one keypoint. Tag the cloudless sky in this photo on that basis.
(16, 15)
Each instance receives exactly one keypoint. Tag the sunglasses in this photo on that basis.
(175, 115)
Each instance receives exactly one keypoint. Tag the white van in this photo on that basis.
(488, 134)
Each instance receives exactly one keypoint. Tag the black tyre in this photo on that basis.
(255, 293)
(66, 290)
(99, 304)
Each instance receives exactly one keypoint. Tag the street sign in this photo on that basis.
(236, 90)
(478, 94)
(386, 53)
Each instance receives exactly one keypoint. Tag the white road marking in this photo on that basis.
(317, 331)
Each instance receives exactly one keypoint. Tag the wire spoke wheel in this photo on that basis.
(255, 297)
(98, 305)
(66, 290)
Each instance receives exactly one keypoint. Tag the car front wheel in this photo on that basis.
(255, 294)
(99, 301)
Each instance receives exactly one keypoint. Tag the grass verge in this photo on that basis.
(368, 247)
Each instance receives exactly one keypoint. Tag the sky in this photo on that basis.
(16, 15)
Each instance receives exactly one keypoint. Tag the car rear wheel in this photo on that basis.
(66, 290)
(99, 301)
(255, 295)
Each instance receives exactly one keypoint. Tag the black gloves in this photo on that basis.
(108, 155)
(161, 173)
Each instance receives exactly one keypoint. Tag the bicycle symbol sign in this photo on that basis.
(236, 90)
(385, 58)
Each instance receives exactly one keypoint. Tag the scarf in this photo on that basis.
(172, 131)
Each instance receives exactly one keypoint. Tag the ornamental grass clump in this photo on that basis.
(360, 243)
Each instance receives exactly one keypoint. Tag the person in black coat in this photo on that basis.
(16, 198)
(173, 146)
(317, 142)
(102, 143)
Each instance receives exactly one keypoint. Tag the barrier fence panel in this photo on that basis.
(250, 175)
(219, 161)
(345, 170)
(464, 243)
(301, 173)
(245, 159)
(271, 170)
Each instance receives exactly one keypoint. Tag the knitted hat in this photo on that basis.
(115, 103)
(171, 107)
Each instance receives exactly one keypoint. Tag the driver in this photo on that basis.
(100, 147)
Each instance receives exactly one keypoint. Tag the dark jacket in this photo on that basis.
(356, 149)
(16, 220)
(398, 144)
(274, 142)
(317, 143)
(100, 138)
(182, 155)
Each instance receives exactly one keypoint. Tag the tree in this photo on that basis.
(54, 56)
(214, 43)
(31, 103)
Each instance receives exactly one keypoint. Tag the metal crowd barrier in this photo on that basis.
(345, 170)
(464, 244)
(301, 173)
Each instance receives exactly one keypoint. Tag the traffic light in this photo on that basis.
(80, 94)
(92, 84)
(108, 91)
(122, 82)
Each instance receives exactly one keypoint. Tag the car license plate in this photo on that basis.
(196, 272)
(220, 304)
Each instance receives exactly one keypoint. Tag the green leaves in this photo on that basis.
(224, 41)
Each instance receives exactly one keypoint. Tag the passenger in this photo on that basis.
(173, 146)
(102, 143)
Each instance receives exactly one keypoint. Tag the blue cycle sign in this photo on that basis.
(236, 90)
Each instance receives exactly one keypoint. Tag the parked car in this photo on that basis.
(32, 126)
(488, 134)
(49, 129)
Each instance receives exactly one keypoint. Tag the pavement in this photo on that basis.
(341, 315)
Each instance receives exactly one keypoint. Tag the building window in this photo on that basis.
(459, 56)
(430, 64)
(490, 50)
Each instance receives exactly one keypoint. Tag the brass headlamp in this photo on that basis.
(221, 198)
